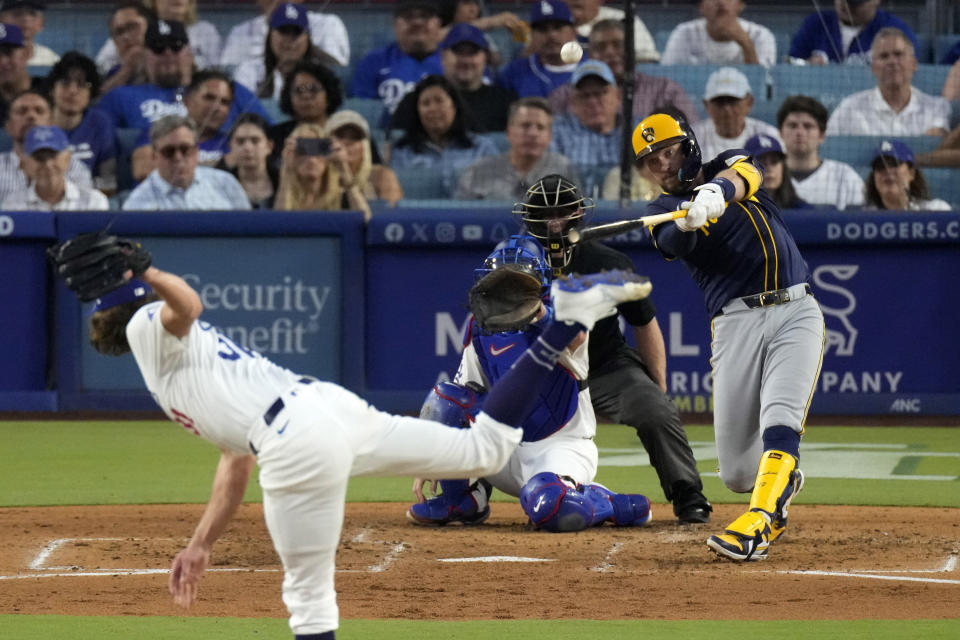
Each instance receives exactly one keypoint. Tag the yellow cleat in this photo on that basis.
(746, 538)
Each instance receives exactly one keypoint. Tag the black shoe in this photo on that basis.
(692, 509)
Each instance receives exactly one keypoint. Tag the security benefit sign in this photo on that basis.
(278, 296)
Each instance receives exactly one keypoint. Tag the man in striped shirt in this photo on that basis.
(47, 158)
(590, 134)
(27, 110)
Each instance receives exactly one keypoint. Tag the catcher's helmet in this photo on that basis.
(452, 404)
(550, 208)
(520, 252)
(662, 130)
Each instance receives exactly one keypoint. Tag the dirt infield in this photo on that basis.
(833, 563)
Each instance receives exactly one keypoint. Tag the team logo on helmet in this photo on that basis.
(649, 135)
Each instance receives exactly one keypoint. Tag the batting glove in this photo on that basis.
(708, 203)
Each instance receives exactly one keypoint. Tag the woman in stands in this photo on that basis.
(376, 181)
(248, 160)
(437, 139)
(896, 182)
(72, 84)
(288, 43)
(315, 175)
(310, 94)
(777, 181)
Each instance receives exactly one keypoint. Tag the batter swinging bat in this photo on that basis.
(616, 228)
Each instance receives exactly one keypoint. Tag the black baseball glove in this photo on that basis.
(94, 264)
(506, 299)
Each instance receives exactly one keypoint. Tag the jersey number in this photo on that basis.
(230, 350)
(184, 420)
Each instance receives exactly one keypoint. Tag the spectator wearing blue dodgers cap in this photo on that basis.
(14, 77)
(590, 134)
(288, 43)
(28, 15)
(768, 151)
(896, 182)
(541, 72)
(45, 163)
(465, 56)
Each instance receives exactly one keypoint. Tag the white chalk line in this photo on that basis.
(38, 563)
(496, 559)
(606, 564)
(949, 565)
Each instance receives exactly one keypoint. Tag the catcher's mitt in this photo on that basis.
(506, 299)
(94, 264)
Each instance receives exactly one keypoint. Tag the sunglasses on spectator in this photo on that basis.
(74, 82)
(159, 47)
(306, 90)
(169, 152)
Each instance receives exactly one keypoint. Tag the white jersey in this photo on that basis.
(205, 381)
(833, 183)
(689, 43)
(866, 113)
(713, 144)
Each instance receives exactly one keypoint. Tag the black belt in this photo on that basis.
(770, 298)
(277, 406)
(582, 384)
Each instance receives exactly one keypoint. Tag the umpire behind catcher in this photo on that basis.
(626, 386)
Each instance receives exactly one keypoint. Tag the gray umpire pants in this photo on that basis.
(624, 392)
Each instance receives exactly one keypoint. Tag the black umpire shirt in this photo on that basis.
(606, 339)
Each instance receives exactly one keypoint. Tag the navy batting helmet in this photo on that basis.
(550, 208)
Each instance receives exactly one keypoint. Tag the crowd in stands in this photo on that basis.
(279, 112)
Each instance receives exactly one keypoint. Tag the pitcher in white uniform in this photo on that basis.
(308, 436)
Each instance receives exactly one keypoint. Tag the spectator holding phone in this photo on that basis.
(248, 160)
(376, 181)
(311, 92)
(316, 175)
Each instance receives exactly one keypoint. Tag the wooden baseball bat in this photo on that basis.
(622, 226)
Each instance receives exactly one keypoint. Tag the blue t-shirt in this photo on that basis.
(93, 141)
(952, 56)
(388, 74)
(559, 394)
(137, 106)
(745, 251)
(820, 33)
(528, 77)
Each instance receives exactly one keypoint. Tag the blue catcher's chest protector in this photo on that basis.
(559, 393)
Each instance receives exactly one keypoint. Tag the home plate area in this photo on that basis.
(834, 562)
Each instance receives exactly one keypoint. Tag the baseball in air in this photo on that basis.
(571, 52)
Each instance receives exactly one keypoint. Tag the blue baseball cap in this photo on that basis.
(289, 14)
(761, 143)
(592, 68)
(892, 148)
(550, 11)
(10, 35)
(464, 32)
(42, 137)
(133, 290)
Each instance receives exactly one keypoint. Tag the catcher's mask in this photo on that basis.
(550, 208)
(452, 404)
(521, 252)
(133, 290)
(661, 130)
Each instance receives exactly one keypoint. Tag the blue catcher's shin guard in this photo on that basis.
(622, 509)
(555, 504)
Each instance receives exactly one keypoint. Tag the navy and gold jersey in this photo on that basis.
(748, 250)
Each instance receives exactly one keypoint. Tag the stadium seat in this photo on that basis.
(858, 150)
(272, 107)
(369, 108)
(693, 79)
(126, 143)
(930, 78)
(829, 84)
(942, 44)
(943, 184)
(420, 184)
